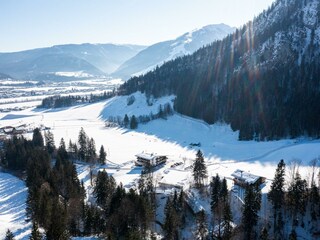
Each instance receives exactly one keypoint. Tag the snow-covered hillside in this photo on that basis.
(13, 195)
(178, 137)
(65, 62)
(171, 137)
(162, 52)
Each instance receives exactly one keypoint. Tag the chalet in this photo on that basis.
(147, 159)
(242, 178)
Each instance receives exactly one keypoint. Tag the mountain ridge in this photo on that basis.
(263, 79)
(95, 59)
(158, 53)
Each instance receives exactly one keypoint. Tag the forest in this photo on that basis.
(261, 80)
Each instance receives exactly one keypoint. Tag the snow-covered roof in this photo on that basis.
(146, 156)
(193, 202)
(245, 176)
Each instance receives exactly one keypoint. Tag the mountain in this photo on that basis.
(162, 52)
(264, 79)
(4, 76)
(84, 59)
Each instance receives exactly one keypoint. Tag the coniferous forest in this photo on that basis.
(58, 204)
(263, 79)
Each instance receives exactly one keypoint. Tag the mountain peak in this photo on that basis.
(157, 54)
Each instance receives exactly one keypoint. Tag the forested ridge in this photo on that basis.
(264, 79)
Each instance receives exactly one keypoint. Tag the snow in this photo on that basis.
(245, 176)
(310, 13)
(179, 137)
(13, 194)
(118, 106)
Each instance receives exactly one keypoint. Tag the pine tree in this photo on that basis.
(227, 222)
(199, 170)
(58, 223)
(82, 141)
(91, 151)
(9, 235)
(102, 155)
(224, 190)
(37, 138)
(133, 122)
(297, 195)
(35, 234)
(126, 121)
(171, 222)
(252, 204)
(104, 188)
(49, 139)
(202, 228)
(276, 195)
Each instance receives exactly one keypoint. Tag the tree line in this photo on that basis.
(71, 100)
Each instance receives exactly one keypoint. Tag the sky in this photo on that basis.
(28, 24)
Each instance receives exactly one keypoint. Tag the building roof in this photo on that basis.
(245, 176)
(148, 156)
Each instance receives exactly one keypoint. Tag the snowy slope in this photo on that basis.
(13, 195)
(172, 137)
(161, 52)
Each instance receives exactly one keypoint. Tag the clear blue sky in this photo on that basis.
(26, 24)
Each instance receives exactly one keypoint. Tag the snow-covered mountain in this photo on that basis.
(87, 59)
(162, 52)
(263, 79)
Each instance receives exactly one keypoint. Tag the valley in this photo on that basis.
(223, 152)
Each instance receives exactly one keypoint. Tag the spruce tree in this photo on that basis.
(227, 222)
(133, 122)
(276, 195)
(199, 170)
(82, 141)
(35, 234)
(91, 151)
(252, 204)
(202, 228)
(37, 138)
(171, 223)
(49, 140)
(9, 235)
(102, 155)
(126, 121)
(297, 195)
(58, 223)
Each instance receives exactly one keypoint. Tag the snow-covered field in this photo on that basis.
(172, 137)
